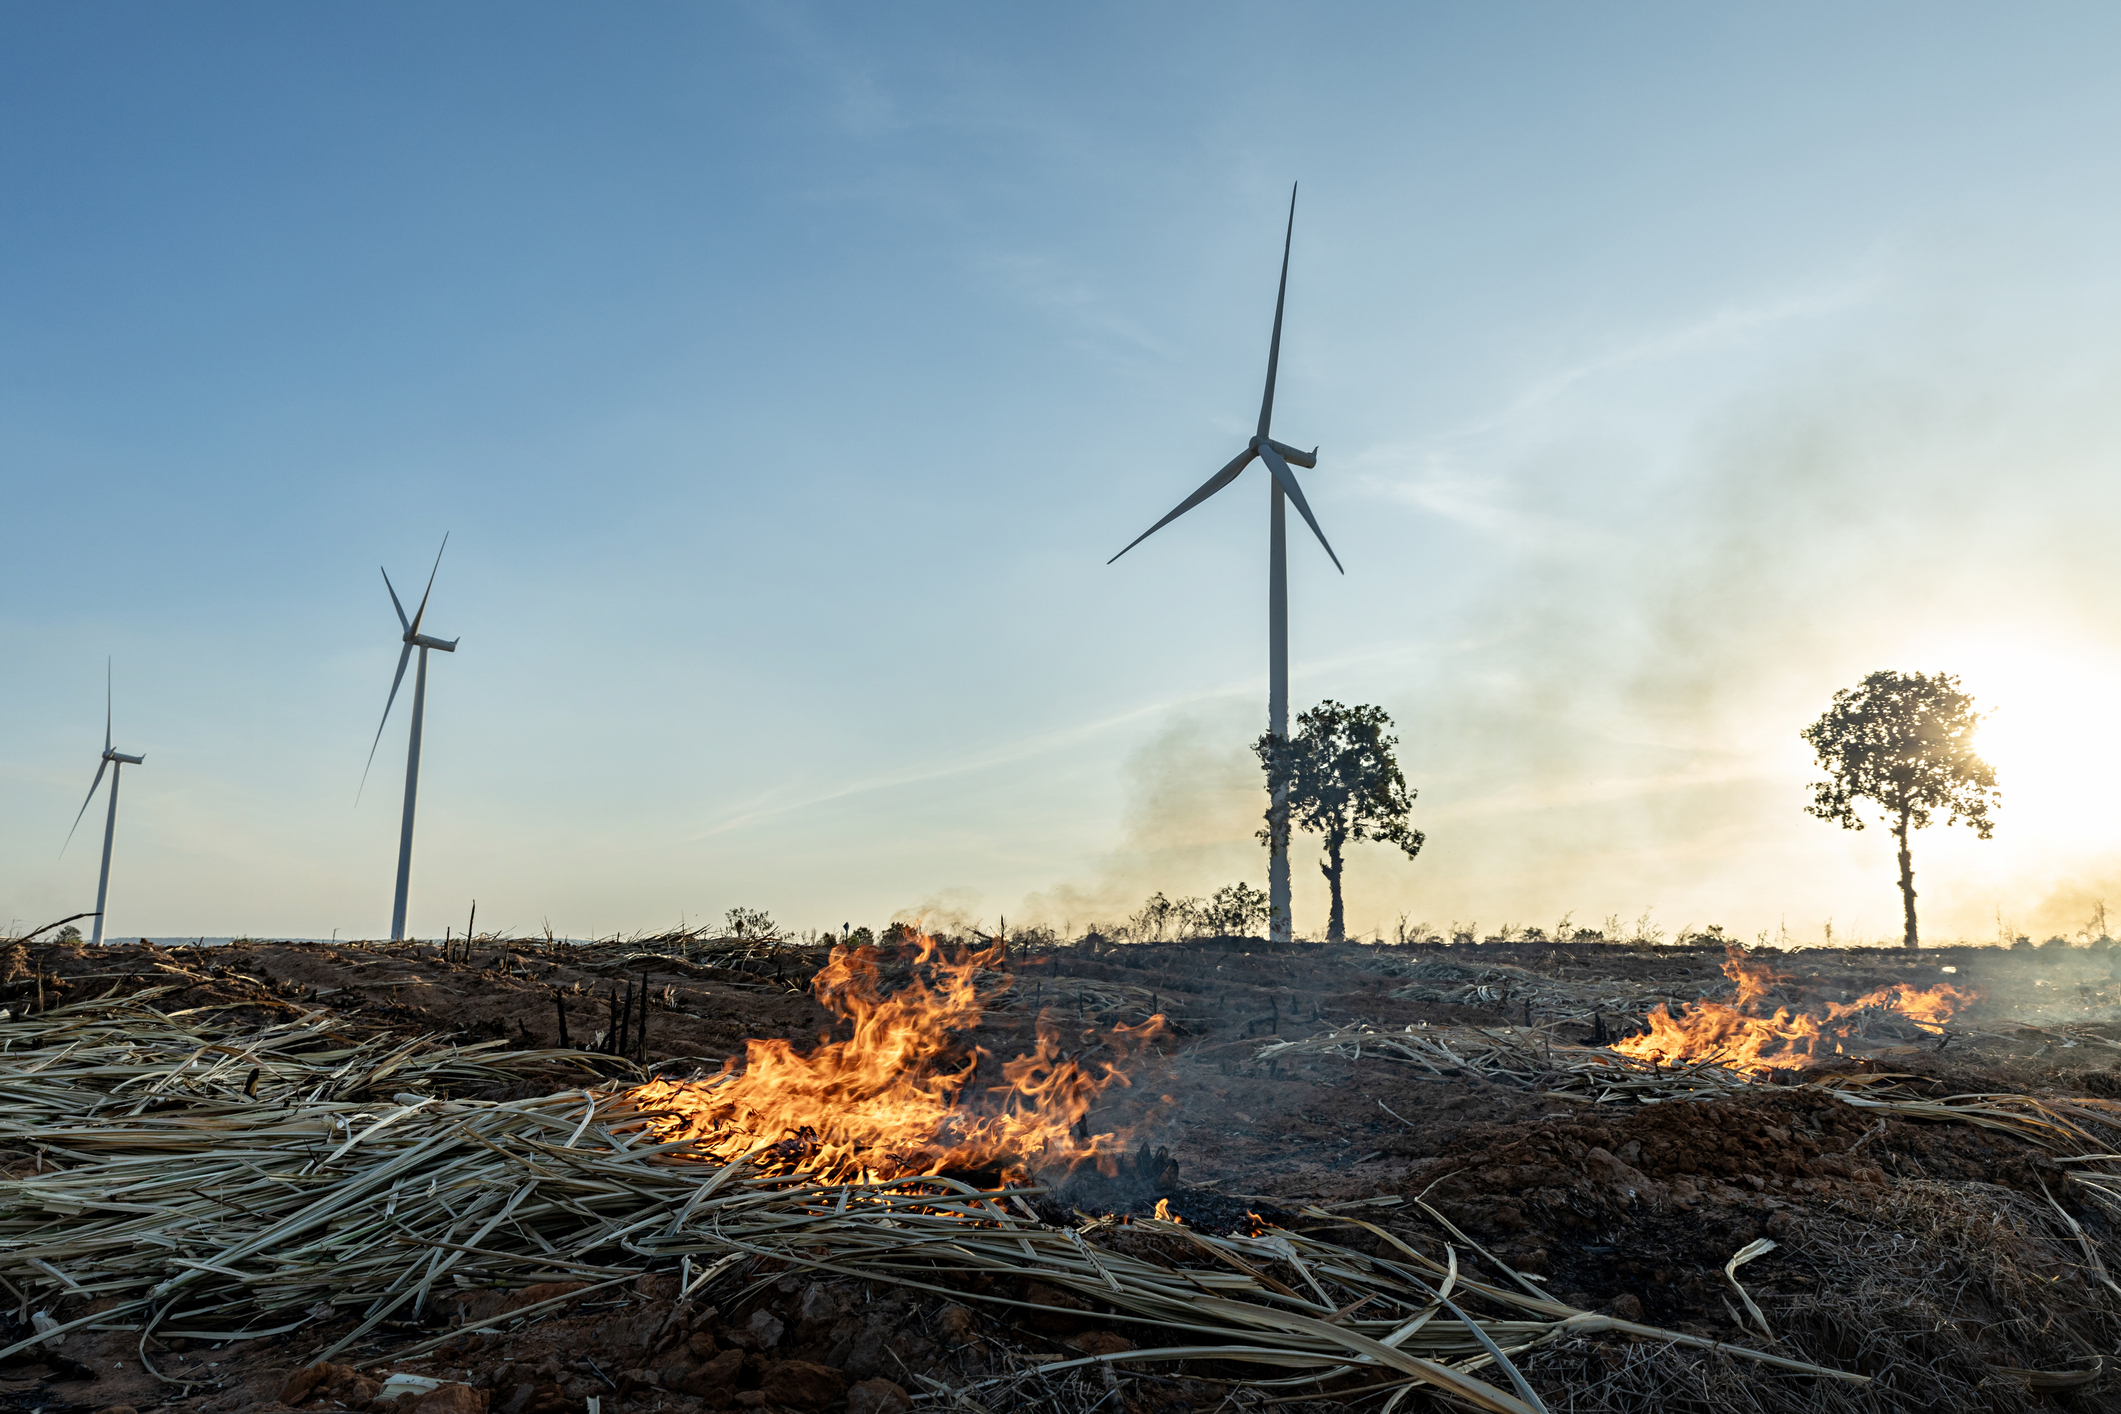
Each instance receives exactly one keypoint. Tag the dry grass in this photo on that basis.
(1940, 1293)
(1521, 1056)
(195, 1178)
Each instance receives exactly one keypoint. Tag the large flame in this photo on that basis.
(1756, 1033)
(901, 1096)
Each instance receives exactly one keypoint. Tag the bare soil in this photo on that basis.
(1935, 1257)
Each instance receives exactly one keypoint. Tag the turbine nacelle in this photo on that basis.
(110, 755)
(421, 640)
(1306, 460)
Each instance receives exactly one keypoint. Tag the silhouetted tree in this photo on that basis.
(1344, 784)
(1905, 743)
(1149, 924)
(1234, 910)
(750, 924)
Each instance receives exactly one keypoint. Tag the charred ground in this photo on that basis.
(1947, 1261)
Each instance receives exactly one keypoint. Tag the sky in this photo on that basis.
(784, 376)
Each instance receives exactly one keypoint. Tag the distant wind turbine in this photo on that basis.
(1277, 456)
(413, 639)
(115, 762)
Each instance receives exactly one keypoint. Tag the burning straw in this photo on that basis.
(196, 1178)
(1512, 1055)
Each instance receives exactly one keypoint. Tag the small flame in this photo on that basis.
(1164, 1213)
(1746, 1035)
(898, 1098)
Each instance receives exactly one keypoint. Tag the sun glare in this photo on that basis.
(2050, 732)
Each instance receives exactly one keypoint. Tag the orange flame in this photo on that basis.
(1746, 1035)
(898, 1098)
(1164, 1213)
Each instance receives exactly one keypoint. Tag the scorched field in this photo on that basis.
(688, 1173)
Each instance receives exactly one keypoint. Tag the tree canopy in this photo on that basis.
(1344, 784)
(1904, 742)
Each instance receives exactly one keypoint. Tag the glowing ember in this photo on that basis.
(1755, 1033)
(902, 1096)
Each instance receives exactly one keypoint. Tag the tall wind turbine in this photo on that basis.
(413, 639)
(1282, 487)
(115, 762)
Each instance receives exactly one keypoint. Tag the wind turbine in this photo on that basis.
(115, 761)
(413, 639)
(1283, 487)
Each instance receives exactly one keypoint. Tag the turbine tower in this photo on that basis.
(1282, 488)
(115, 762)
(413, 639)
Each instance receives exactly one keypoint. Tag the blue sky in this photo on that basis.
(785, 375)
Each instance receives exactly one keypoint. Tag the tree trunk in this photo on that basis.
(1336, 921)
(1907, 882)
(1280, 769)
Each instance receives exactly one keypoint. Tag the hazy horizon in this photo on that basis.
(785, 377)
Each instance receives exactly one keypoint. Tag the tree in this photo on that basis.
(1153, 920)
(1234, 910)
(1905, 743)
(751, 924)
(1344, 784)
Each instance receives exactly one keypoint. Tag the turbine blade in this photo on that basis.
(403, 654)
(106, 707)
(1266, 402)
(403, 623)
(101, 767)
(421, 613)
(1208, 488)
(1287, 478)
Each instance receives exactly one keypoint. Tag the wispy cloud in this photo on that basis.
(1467, 474)
(1441, 484)
(1044, 283)
(866, 110)
(985, 759)
(1728, 329)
